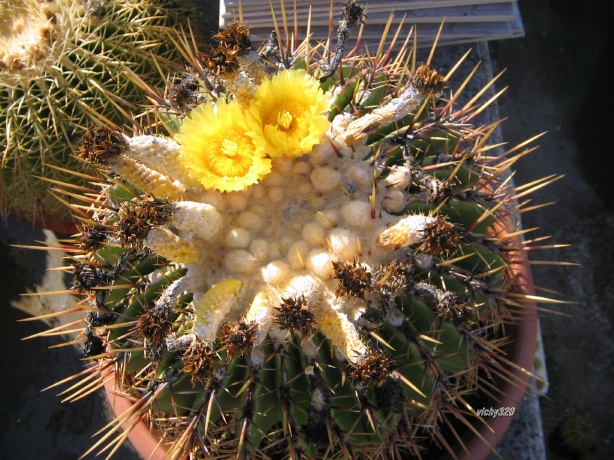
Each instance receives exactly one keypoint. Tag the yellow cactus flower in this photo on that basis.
(217, 148)
(291, 108)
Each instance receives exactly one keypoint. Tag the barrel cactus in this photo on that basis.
(65, 65)
(315, 262)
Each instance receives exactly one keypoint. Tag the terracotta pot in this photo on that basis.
(58, 227)
(520, 351)
(62, 228)
(141, 437)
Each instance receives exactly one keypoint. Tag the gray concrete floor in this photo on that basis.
(35, 424)
(558, 83)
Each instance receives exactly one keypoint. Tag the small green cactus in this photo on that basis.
(575, 437)
(315, 263)
(65, 65)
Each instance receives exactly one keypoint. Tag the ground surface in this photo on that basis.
(559, 84)
(35, 424)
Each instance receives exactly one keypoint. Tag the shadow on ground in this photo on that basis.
(33, 423)
(559, 83)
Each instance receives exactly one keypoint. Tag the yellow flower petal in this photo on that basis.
(217, 148)
(291, 109)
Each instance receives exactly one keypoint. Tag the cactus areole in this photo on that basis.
(318, 261)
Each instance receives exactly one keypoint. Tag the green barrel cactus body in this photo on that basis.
(65, 66)
(311, 267)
